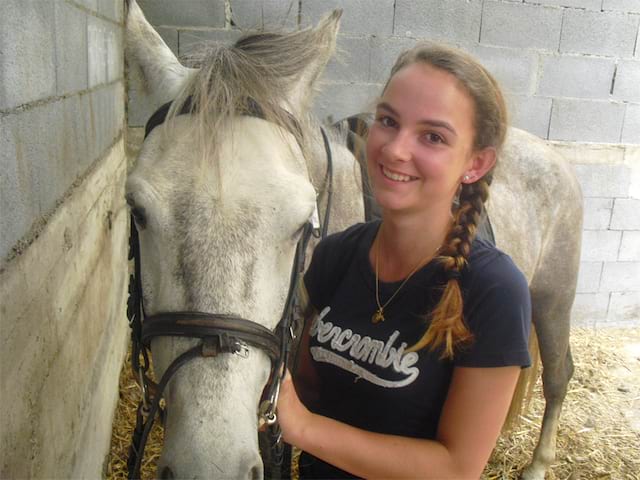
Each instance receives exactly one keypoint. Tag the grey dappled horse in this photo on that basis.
(221, 197)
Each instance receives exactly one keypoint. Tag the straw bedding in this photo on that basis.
(598, 437)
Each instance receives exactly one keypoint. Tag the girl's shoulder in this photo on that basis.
(490, 266)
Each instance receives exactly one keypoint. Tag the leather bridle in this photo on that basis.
(219, 333)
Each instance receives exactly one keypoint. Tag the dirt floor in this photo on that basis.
(598, 437)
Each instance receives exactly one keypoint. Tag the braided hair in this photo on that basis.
(447, 328)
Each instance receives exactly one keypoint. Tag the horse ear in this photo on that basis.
(157, 69)
(325, 34)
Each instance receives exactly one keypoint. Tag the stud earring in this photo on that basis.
(466, 178)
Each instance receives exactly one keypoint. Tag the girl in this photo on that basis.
(419, 330)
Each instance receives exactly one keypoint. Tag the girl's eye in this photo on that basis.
(387, 121)
(433, 138)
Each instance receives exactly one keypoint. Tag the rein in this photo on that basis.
(220, 333)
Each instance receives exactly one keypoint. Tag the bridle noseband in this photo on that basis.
(219, 333)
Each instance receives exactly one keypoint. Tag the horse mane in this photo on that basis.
(261, 70)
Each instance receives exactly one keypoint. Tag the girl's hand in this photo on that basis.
(293, 416)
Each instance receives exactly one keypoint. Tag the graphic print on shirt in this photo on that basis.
(365, 350)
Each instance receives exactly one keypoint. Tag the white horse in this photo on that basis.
(220, 197)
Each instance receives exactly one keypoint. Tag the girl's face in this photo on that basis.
(421, 143)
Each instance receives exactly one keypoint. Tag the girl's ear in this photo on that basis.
(482, 162)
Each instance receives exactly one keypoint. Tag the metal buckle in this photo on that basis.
(241, 349)
(143, 390)
(315, 221)
(267, 413)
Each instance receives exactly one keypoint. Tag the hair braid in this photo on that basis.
(447, 327)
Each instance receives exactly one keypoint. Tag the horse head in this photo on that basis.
(220, 194)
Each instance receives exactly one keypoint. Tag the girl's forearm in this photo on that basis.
(373, 455)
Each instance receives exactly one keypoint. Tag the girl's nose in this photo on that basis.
(398, 147)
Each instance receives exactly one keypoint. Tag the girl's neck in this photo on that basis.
(405, 241)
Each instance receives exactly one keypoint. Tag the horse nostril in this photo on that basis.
(166, 474)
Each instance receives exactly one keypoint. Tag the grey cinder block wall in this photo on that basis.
(570, 68)
(63, 228)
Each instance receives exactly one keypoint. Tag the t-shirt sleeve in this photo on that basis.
(498, 314)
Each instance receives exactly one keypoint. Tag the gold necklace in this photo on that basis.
(378, 316)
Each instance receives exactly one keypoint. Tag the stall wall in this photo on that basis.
(63, 228)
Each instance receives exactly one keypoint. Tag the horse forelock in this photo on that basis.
(260, 70)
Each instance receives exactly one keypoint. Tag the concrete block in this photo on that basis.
(589, 277)
(191, 41)
(620, 277)
(630, 247)
(600, 245)
(624, 309)
(112, 9)
(513, 68)
(359, 17)
(591, 153)
(629, 6)
(599, 33)
(105, 47)
(18, 205)
(631, 127)
(455, 21)
(170, 37)
(384, 53)
(78, 137)
(589, 309)
(106, 116)
(351, 64)
(530, 113)
(41, 140)
(632, 159)
(576, 76)
(90, 4)
(27, 46)
(625, 214)
(339, 100)
(588, 4)
(200, 13)
(268, 14)
(627, 82)
(280, 14)
(71, 48)
(44, 151)
(603, 180)
(521, 25)
(97, 54)
(586, 121)
(114, 42)
(140, 108)
(597, 213)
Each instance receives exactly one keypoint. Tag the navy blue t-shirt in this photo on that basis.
(367, 379)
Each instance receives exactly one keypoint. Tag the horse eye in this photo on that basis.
(139, 215)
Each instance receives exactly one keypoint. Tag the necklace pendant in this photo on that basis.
(378, 316)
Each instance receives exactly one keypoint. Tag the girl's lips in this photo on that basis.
(396, 176)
